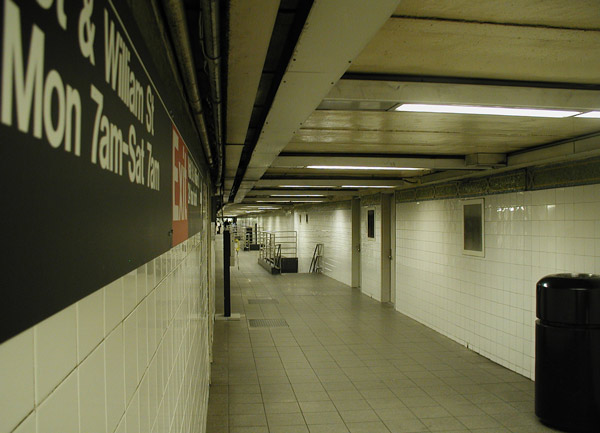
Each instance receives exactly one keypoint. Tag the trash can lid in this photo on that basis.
(569, 299)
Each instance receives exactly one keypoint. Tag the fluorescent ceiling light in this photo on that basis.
(590, 115)
(306, 186)
(352, 167)
(297, 195)
(290, 201)
(494, 111)
(367, 186)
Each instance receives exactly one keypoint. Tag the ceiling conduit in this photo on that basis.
(209, 41)
(179, 33)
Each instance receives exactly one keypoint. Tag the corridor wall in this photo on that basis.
(105, 313)
(329, 224)
(277, 221)
(370, 248)
(132, 355)
(488, 303)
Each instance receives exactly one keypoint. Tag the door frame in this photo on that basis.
(355, 211)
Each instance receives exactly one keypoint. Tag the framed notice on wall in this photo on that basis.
(473, 228)
(371, 223)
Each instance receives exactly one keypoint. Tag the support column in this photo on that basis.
(355, 242)
(226, 273)
(385, 245)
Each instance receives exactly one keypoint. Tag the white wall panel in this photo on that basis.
(370, 253)
(160, 339)
(275, 222)
(330, 225)
(489, 303)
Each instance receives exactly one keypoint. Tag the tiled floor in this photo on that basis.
(347, 363)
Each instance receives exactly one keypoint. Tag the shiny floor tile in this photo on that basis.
(346, 363)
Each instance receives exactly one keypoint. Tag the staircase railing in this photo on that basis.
(315, 263)
(278, 256)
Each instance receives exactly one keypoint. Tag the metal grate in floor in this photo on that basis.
(266, 323)
(263, 301)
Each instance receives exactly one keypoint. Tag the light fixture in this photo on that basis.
(357, 167)
(367, 186)
(290, 201)
(306, 186)
(590, 115)
(297, 195)
(493, 111)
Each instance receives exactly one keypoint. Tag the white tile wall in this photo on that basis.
(16, 380)
(276, 221)
(489, 303)
(92, 393)
(330, 225)
(55, 342)
(90, 323)
(370, 254)
(114, 365)
(129, 358)
(113, 305)
(27, 426)
(60, 411)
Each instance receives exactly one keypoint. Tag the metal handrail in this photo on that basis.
(275, 245)
(315, 264)
(277, 259)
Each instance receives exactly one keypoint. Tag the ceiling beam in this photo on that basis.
(485, 160)
(409, 92)
(457, 163)
(232, 160)
(287, 182)
(248, 44)
(317, 63)
(445, 176)
(296, 192)
(576, 148)
(454, 80)
(288, 200)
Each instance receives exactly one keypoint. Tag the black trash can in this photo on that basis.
(567, 352)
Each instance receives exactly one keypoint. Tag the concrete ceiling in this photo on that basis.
(354, 61)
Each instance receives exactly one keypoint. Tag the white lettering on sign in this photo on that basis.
(109, 148)
(180, 163)
(87, 31)
(107, 139)
(153, 170)
(24, 86)
(118, 74)
(135, 166)
(37, 100)
(194, 181)
(150, 110)
(60, 10)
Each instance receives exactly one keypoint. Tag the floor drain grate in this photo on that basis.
(263, 301)
(266, 323)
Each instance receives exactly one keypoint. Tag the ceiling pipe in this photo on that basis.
(209, 41)
(179, 33)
